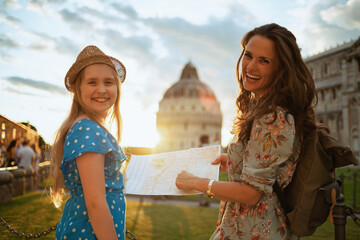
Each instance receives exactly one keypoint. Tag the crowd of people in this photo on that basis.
(20, 153)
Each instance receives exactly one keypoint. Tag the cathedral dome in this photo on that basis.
(188, 111)
(189, 85)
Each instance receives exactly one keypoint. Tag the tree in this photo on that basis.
(42, 144)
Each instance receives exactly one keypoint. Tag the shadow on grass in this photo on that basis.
(176, 224)
(24, 199)
(136, 218)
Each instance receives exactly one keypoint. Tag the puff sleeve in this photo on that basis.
(270, 152)
(87, 136)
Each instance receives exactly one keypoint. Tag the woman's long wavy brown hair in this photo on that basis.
(291, 88)
(77, 108)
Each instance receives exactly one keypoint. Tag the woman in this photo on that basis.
(37, 152)
(87, 158)
(275, 114)
(10, 154)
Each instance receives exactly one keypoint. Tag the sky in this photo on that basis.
(40, 39)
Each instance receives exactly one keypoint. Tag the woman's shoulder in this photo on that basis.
(280, 114)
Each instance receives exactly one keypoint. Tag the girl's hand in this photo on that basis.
(184, 180)
(223, 162)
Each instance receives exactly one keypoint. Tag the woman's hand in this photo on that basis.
(185, 180)
(223, 162)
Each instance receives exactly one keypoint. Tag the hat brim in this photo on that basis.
(78, 66)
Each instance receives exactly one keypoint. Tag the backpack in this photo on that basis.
(310, 196)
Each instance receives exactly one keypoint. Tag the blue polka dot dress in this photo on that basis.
(87, 136)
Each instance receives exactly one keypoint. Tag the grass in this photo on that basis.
(33, 213)
(30, 213)
(326, 231)
(153, 221)
(349, 185)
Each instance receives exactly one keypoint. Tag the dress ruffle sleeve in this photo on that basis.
(87, 136)
(269, 154)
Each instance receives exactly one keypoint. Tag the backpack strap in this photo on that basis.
(342, 155)
(282, 198)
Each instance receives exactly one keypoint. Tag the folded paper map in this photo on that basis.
(156, 174)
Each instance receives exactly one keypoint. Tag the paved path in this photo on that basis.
(169, 201)
(194, 203)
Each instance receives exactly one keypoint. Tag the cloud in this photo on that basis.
(18, 81)
(343, 15)
(60, 44)
(126, 10)
(42, 6)
(135, 46)
(74, 18)
(162, 46)
(16, 91)
(4, 15)
(6, 42)
(317, 32)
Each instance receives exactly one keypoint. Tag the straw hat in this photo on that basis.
(92, 55)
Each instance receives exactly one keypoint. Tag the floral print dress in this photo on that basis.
(270, 155)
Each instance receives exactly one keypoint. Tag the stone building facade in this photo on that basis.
(188, 110)
(10, 130)
(336, 73)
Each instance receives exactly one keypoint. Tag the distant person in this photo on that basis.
(37, 152)
(275, 115)
(10, 154)
(204, 141)
(216, 140)
(86, 157)
(2, 154)
(26, 156)
(18, 147)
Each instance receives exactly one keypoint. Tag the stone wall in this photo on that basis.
(14, 181)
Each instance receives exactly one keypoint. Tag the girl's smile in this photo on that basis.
(98, 88)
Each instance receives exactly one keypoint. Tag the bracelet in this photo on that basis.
(208, 192)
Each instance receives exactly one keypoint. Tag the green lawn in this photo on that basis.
(33, 212)
(349, 185)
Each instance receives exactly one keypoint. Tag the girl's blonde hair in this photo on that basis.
(78, 107)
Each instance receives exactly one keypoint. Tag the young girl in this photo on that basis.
(86, 157)
(275, 114)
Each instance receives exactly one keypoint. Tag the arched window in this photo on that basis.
(14, 133)
(3, 133)
(326, 68)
